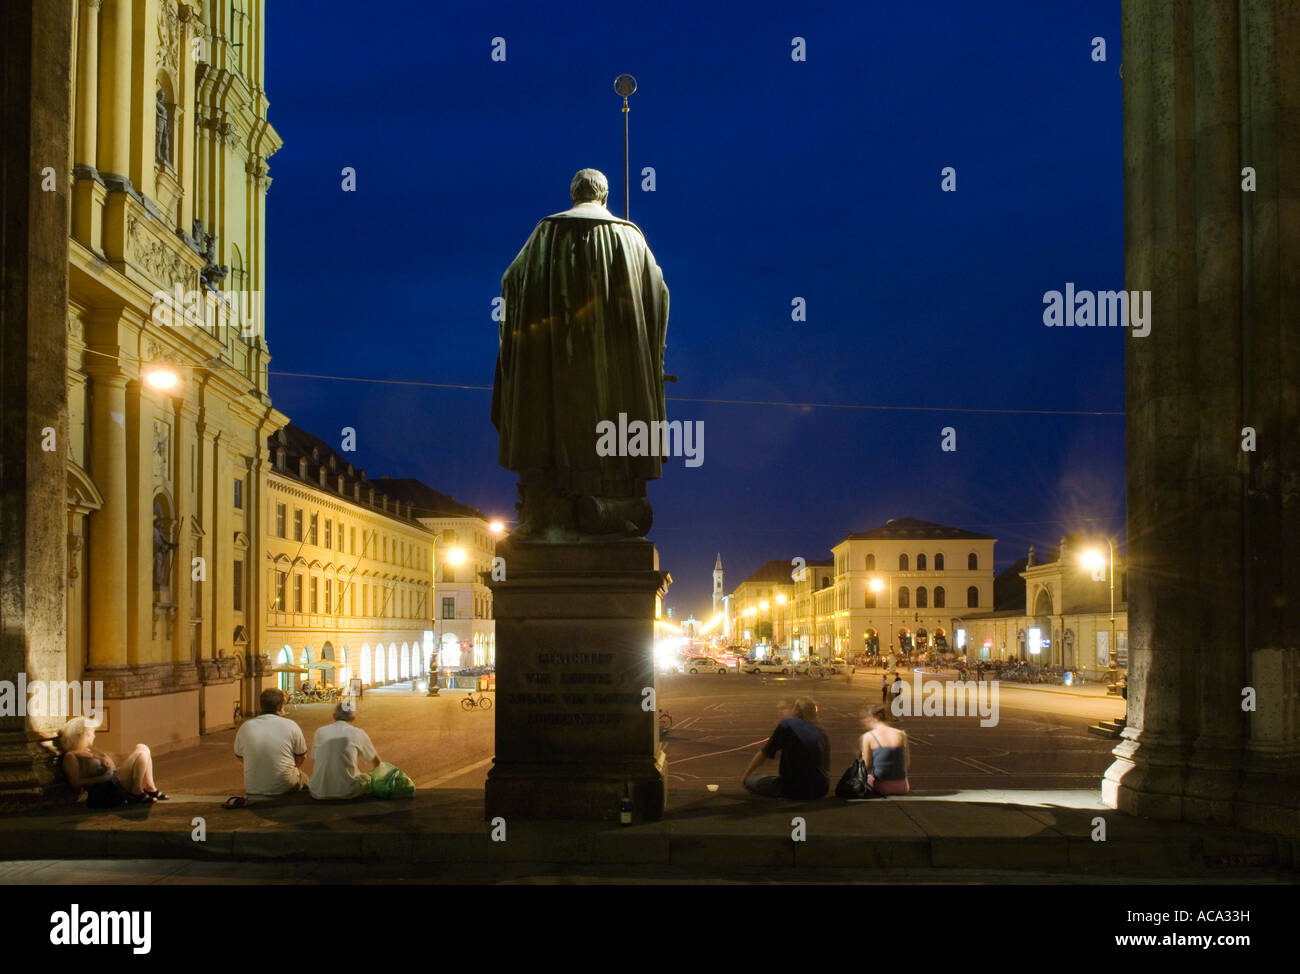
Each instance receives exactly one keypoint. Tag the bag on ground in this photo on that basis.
(853, 783)
(390, 781)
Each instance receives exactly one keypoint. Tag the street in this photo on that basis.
(1040, 740)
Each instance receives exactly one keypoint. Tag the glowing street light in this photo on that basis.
(161, 377)
(456, 556)
(496, 527)
(1100, 565)
(877, 585)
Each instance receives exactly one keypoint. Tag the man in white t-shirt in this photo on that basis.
(338, 751)
(272, 748)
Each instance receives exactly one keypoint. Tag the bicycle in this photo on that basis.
(481, 702)
(665, 721)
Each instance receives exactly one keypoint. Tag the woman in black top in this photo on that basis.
(95, 771)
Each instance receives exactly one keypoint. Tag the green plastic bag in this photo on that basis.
(390, 781)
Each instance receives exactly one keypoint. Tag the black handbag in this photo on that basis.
(853, 783)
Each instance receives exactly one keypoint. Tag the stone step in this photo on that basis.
(1108, 728)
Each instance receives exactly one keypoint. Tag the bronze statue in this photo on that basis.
(582, 342)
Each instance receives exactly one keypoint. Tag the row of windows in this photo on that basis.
(922, 563)
(373, 600)
(392, 550)
(923, 597)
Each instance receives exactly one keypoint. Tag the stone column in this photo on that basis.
(35, 44)
(107, 565)
(87, 83)
(114, 109)
(1214, 530)
(88, 190)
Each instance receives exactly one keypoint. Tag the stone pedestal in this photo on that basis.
(575, 657)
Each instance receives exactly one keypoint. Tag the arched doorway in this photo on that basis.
(287, 680)
(327, 656)
(392, 663)
(449, 655)
(406, 661)
(365, 674)
(871, 642)
(378, 658)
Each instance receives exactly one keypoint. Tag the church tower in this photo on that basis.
(717, 585)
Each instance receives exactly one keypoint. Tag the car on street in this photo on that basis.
(701, 664)
(774, 665)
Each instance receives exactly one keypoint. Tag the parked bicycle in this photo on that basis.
(665, 721)
(471, 702)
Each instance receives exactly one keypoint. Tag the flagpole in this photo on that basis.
(624, 85)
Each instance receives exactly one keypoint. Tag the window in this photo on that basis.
(279, 520)
(311, 592)
(904, 597)
(922, 596)
(902, 563)
(237, 584)
(448, 573)
(871, 563)
(940, 596)
(449, 608)
(280, 581)
(297, 524)
(311, 530)
(920, 562)
(972, 595)
(329, 533)
(352, 533)
(938, 565)
(239, 494)
(297, 593)
(972, 563)
(329, 596)
(871, 599)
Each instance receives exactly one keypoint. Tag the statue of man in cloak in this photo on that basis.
(582, 342)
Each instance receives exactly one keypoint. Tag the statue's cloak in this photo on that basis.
(582, 340)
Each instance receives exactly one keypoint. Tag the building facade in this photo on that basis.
(896, 585)
(166, 362)
(348, 571)
(464, 633)
(1067, 620)
(759, 603)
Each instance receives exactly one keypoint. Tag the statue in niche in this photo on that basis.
(162, 550)
(162, 130)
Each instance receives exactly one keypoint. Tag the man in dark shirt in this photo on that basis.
(805, 757)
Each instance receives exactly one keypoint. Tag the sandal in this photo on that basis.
(159, 796)
(145, 798)
(235, 801)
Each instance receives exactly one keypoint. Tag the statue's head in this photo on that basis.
(589, 185)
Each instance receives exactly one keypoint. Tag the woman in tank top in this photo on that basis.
(94, 770)
(886, 752)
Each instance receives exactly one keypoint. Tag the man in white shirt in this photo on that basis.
(272, 749)
(338, 751)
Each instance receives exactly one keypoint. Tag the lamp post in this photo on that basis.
(876, 586)
(1092, 559)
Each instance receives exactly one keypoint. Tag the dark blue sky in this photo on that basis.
(776, 179)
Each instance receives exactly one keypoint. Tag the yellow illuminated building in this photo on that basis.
(348, 571)
(167, 362)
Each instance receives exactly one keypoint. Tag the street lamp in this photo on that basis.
(876, 586)
(1094, 561)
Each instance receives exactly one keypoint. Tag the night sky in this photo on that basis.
(776, 179)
